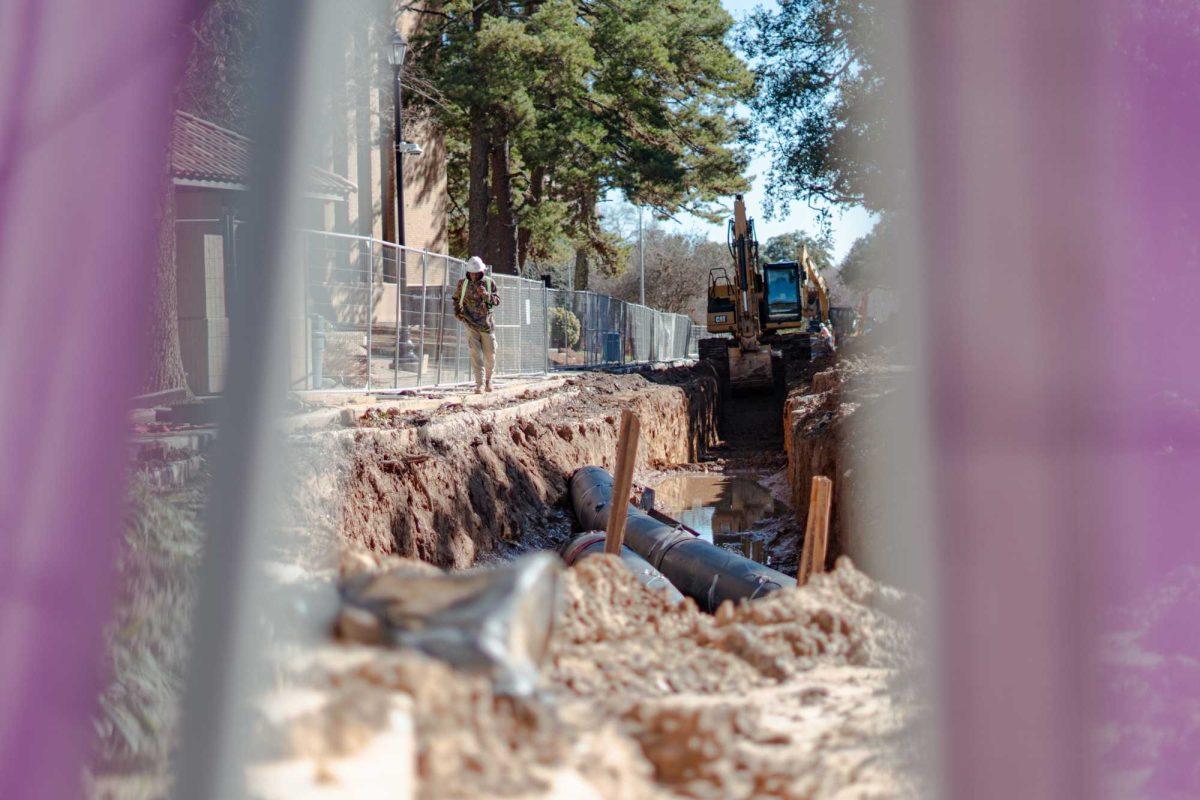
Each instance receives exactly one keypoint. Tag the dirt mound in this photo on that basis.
(784, 697)
(618, 637)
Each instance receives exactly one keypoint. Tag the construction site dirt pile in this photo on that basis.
(791, 696)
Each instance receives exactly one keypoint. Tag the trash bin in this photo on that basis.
(610, 346)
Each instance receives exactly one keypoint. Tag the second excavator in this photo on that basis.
(770, 310)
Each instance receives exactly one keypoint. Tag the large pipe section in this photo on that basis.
(592, 544)
(704, 572)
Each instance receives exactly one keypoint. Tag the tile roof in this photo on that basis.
(201, 150)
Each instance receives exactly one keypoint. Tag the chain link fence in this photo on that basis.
(379, 317)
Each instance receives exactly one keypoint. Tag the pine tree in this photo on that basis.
(549, 105)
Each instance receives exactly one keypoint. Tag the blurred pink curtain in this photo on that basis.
(1060, 173)
(85, 108)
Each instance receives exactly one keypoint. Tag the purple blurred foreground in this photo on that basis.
(85, 98)
(1059, 171)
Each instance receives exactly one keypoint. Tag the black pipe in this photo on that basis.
(592, 543)
(704, 572)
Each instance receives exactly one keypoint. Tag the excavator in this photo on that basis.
(769, 310)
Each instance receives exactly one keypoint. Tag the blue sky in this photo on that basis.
(847, 226)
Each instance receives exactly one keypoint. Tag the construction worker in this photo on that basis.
(474, 298)
(825, 337)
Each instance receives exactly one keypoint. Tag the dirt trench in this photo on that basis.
(793, 696)
(456, 485)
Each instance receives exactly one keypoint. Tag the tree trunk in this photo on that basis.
(165, 362)
(537, 184)
(478, 195)
(477, 170)
(585, 219)
(581, 270)
(523, 235)
(502, 200)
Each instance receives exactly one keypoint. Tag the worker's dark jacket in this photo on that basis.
(474, 301)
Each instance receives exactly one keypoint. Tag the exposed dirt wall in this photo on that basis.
(813, 432)
(456, 483)
(826, 421)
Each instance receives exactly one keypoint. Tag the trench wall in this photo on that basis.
(833, 426)
(813, 430)
(452, 486)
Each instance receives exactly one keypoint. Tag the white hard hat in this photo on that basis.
(475, 264)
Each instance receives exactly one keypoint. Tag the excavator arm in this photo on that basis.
(816, 284)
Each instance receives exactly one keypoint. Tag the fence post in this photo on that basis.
(520, 360)
(437, 381)
(421, 348)
(458, 329)
(309, 379)
(370, 307)
(546, 321)
(396, 351)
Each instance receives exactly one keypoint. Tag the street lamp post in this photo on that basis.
(404, 353)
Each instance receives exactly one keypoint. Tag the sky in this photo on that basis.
(846, 226)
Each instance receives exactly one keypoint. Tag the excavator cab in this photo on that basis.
(722, 299)
(783, 298)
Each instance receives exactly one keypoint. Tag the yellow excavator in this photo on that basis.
(770, 310)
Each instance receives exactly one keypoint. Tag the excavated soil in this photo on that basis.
(793, 696)
(799, 695)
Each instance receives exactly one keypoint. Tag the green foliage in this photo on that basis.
(586, 96)
(864, 266)
(564, 327)
(819, 106)
(786, 247)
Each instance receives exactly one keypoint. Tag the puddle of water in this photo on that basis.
(716, 506)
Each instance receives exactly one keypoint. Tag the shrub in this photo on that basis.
(564, 328)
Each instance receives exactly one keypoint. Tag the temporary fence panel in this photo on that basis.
(380, 317)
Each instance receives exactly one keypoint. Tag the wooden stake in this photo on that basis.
(627, 445)
(816, 532)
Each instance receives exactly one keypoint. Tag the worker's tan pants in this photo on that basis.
(483, 354)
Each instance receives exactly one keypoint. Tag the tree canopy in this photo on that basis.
(548, 105)
(863, 266)
(786, 247)
(818, 107)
